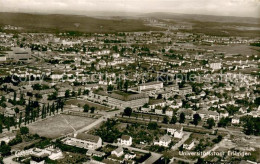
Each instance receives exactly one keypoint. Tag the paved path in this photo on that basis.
(106, 116)
(185, 137)
(9, 160)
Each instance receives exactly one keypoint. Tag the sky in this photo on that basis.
(242, 8)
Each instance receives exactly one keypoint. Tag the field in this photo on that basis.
(57, 126)
(235, 49)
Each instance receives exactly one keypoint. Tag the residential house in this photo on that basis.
(188, 144)
(206, 114)
(175, 130)
(126, 140)
(164, 141)
(235, 120)
(118, 152)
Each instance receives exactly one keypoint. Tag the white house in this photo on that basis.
(189, 144)
(164, 141)
(175, 130)
(235, 120)
(169, 112)
(158, 110)
(118, 152)
(206, 114)
(125, 140)
(130, 155)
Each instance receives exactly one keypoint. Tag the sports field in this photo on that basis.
(59, 125)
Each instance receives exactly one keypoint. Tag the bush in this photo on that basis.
(24, 130)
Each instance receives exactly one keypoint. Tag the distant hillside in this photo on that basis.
(54, 22)
(213, 25)
(204, 18)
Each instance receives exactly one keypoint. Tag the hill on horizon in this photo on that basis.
(62, 23)
(204, 18)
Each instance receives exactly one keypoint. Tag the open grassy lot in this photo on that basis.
(235, 49)
(59, 125)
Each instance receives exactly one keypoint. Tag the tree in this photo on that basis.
(224, 121)
(24, 130)
(218, 139)
(67, 93)
(196, 119)
(173, 120)
(152, 126)
(231, 109)
(5, 149)
(86, 108)
(53, 96)
(16, 110)
(8, 123)
(79, 91)
(110, 88)
(14, 100)
(251, 125)
(210, 123)
(62, 105)
(165, 120)
(128, 111)
(92, 109)
(182, 118)
(73, 94)
(159, 96)
(20, 120)
(86, 92)
(126, 85)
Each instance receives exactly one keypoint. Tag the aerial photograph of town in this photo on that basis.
(129, 81)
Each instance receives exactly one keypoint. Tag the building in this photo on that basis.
(19, 54)
(185, 90)
(7, 139)
(189, 144)
(235, 120)
(188, 113)
(118, 152)
(151, 85)
(215, 66)
(95, 153)
(164, 141)
(120, 100)
(206, 114)
(130, 156)
(84, 140)
(169, 112)
(125, 140)
(175, 130)
(2, 58)
(40, 155)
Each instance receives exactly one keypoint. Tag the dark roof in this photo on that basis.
(174, 126)
(151, 83)
(126, 97)
(88, 137)
(165, 138)
(155, 101)
(125, 137)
